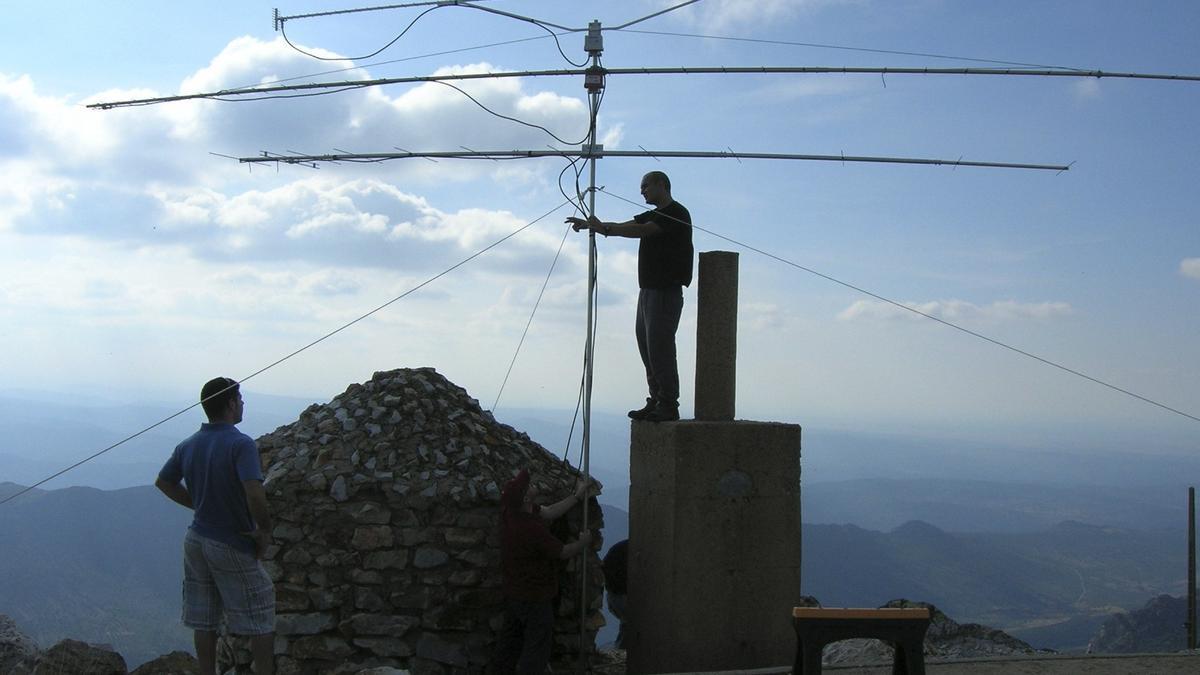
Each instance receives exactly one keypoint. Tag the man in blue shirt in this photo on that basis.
(217, 473)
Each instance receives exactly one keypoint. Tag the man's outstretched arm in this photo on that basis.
(630, 228)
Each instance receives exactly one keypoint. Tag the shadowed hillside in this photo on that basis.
(94, 565)
(1071, 576)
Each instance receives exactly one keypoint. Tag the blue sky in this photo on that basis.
(138, 263)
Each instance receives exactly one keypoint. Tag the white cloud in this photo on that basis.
(724, 14)
(23, 186)
(247, 61)
(762, 315)
(1190, 267)
(955, 310)
(192, 208)
(170, 143)
(792, 89)
(143, 175)
(329, 283)
(1087, 87)
(359, 223)
(36, 124)
(613, 136)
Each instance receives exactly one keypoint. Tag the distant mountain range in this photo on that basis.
(885, 517)
(991, 506)
(100, 566)
(41, 433)
(103, 566)
(1051, 588)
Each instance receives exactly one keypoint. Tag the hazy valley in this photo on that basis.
(1047, 560)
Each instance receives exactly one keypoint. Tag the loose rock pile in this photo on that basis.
(19, 655)
(72, 657)
(945, 639)
(386, 507)
(18, 651)
(1153, 628)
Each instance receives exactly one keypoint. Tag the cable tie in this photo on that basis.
(411, 152)
(479, 153)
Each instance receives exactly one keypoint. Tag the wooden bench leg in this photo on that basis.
(808, 656)
(909, 657)
(812, 657)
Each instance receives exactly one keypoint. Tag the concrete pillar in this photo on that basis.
(716, 335)
(714, 535)
(714, 517)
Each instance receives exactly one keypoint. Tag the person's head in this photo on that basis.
(656, 188)
(518, 494)
(221, 398)
(530, 495)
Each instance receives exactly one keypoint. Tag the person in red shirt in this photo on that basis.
(530, 557)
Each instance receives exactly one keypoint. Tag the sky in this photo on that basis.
(139, 260)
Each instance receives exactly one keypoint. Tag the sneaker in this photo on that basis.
(663, 412)
(641, 413)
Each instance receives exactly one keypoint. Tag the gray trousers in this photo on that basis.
(658, 313)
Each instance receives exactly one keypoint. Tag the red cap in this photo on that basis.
(514, 491)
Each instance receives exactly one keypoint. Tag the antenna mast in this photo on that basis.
(593, 44)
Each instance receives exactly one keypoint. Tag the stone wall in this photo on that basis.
(386, 507)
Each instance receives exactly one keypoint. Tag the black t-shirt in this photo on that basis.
(665, 259)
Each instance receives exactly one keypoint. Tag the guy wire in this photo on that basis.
(324, 337)
(529, 323)
(931, 317)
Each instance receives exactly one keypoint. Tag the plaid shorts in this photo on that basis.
(219, 579)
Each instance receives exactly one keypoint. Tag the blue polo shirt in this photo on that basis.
(212, 464)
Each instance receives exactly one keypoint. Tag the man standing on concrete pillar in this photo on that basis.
(664, 268)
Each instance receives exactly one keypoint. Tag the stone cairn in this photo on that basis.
(387, 552)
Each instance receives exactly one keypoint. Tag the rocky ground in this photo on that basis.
(74, 658)
(1126, 664)
(1156, 664)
